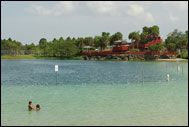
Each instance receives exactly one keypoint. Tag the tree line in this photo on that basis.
(61, 47)
(176, 41)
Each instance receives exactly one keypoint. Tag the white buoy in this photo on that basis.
(167, 77)
(56, 70)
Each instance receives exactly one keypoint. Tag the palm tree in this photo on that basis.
(135, 37)
(104, 40)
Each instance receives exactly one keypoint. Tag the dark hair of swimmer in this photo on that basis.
(30, 102)
(38, 106)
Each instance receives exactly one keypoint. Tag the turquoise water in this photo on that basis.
(94, 93)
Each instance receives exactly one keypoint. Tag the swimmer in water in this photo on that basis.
(30, 106)
(38, 107)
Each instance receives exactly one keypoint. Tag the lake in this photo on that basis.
(94, 92)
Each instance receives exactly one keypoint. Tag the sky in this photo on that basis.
(29, 21)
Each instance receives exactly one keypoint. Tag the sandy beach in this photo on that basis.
(172, 60)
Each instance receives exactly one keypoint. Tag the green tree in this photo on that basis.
(10, 46)
(89, 41)
(149, 33)
(43, 46)
(68, 49)
(97, 41)
(104, 40)
(30, 49)
(115, 37)
(80, 43)
(154, 30)
(184, 54)
(171, 47)
(73, 39)
(135, 37)
(157, 47)
(61, 39)
(146, 29)
(56, 46)
(177, 40)
(68, 39)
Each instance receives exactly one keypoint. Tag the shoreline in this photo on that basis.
(31, 57)
(172, 60)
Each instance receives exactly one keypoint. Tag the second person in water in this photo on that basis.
(33, 107)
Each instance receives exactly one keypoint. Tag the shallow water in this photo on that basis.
(94, 93)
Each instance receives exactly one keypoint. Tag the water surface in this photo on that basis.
(94, 92)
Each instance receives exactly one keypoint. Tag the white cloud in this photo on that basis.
(108, 8)
(173, 18)
(139, 13)
(98, 8)
(40, 10)
(102, 7)
(135, 10)
(179, 5)
(60, 8)
(149, 17)
(63, 7)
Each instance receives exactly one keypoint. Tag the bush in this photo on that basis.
(184, 54)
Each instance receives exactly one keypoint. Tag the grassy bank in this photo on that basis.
(39, 57)
(18, 57)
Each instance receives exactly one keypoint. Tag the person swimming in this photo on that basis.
(38, 107)
(32, 107)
